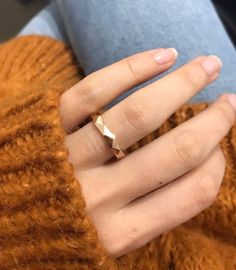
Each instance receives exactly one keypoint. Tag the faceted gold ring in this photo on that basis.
(109, 136)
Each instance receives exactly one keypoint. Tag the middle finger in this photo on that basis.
(145, 110)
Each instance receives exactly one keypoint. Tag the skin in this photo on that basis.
(135, 207)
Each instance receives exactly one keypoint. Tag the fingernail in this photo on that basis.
(165, 56)
(211, 64)
(232, 100)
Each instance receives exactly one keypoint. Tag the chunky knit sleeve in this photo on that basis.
(42, 219)
(43, 222)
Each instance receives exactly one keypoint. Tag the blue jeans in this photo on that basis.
(102, 32)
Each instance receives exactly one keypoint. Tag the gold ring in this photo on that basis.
(109, 136)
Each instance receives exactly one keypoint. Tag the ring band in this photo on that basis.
(109, 136)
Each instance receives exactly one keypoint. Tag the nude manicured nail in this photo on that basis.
(211, 64)
(165, 56)
(232, 100)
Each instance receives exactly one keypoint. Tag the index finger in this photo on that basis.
(102, 86)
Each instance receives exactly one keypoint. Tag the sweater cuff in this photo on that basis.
(42, 210)
(43, 224)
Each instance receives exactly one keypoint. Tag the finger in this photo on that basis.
(100, 87)
(145, 110)
(93, 149)
(158, 106)
(168, 207)
(171, 155)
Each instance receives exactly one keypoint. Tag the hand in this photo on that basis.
(126, 198)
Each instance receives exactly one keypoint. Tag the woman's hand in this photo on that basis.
(190, 152)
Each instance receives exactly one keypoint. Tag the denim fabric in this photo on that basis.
(47, 22)
(102, 32)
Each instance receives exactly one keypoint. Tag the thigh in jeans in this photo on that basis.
(102, 32)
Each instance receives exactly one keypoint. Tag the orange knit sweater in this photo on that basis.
(43, 224)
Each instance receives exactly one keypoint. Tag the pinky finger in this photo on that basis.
(171, 205)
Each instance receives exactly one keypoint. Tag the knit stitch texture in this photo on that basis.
(43, 222)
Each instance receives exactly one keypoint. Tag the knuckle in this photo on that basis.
(205, 191)
(127, 236)
(129, 240)
(191, 78)
(90, 90)
(226, 112)
(129, 63)
(135, 116)
(189, 149)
